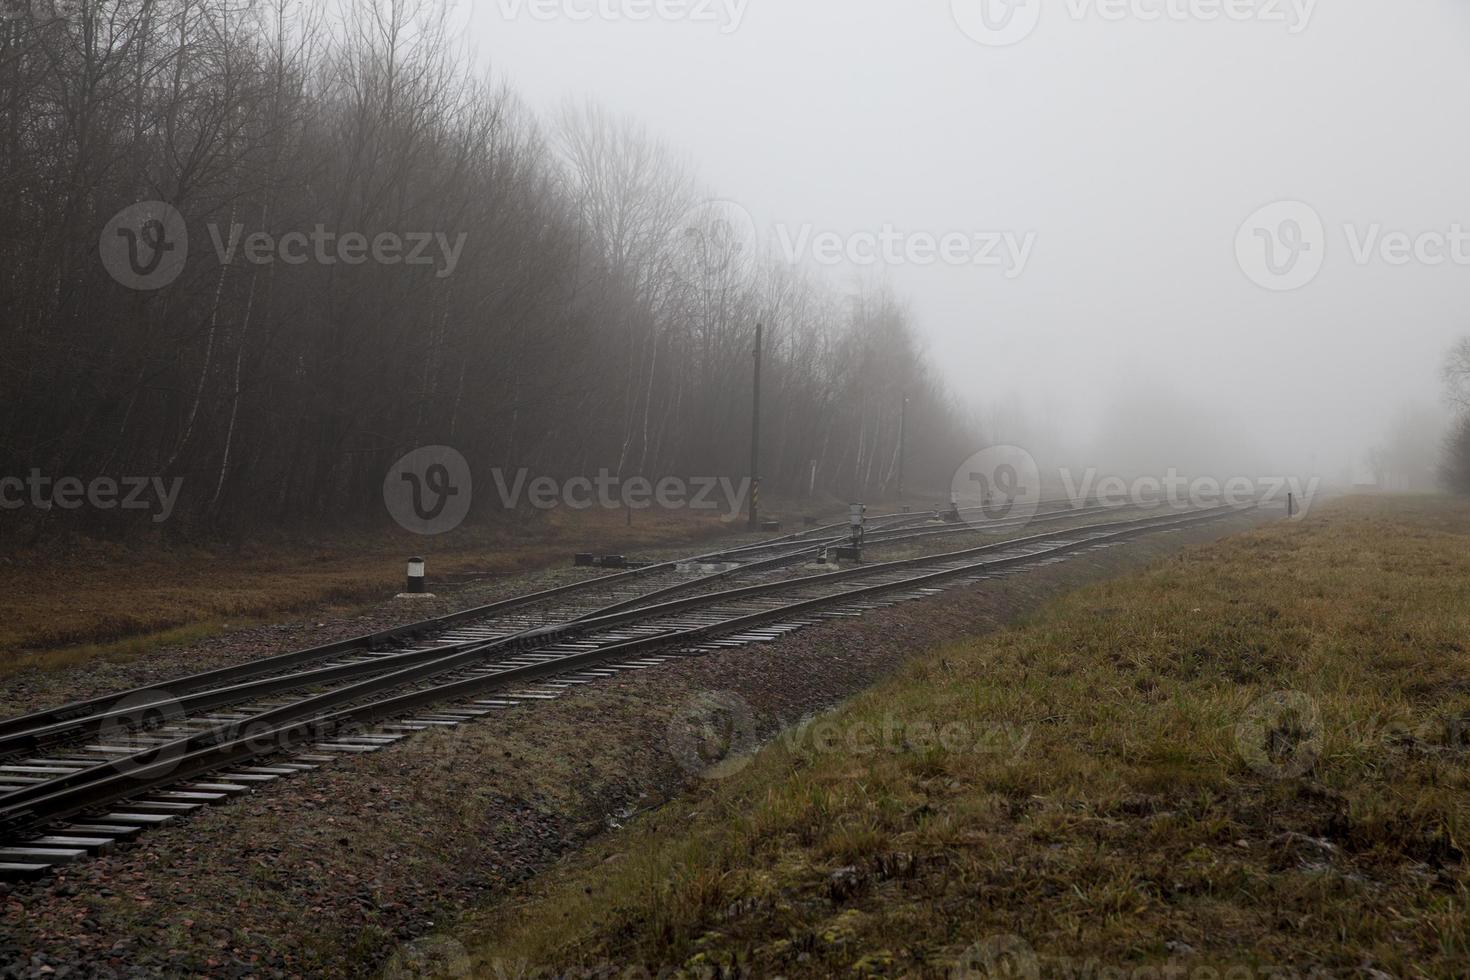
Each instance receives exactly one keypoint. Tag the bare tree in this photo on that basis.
(600, 315)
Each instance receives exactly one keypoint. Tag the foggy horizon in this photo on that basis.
(854, 119)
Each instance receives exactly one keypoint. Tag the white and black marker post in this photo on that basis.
(857, 517)
(415, 577)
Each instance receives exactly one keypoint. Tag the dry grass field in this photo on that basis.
(89, 601)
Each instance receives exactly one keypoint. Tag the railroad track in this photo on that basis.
(375, 652)
(236, 693)
(168, 756)
(238, 686)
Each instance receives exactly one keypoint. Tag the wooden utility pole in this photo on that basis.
(755, 435)
(903, 417)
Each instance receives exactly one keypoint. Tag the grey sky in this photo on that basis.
(1133, 150)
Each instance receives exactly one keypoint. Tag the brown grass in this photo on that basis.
(103, 601)
(1252, 757)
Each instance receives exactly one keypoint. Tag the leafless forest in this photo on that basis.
(586, 324)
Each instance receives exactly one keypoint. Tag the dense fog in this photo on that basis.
(1139, 237)
(1133, 140)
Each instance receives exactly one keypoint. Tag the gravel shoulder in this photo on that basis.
(333, 872)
